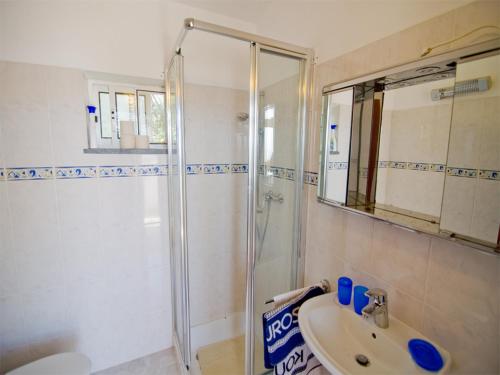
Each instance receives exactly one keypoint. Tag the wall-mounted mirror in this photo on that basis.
(419, 145)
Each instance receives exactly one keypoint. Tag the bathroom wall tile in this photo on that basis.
(461, 284)
(78, 207)
(472, 352)
(26, 136)
(44, 312)
(23, 86)
(458, 204)
(489, 157)
(66, 89)
(69, 136)
(404, 307)
(11, 314)
(485, 221)
(36, 251)
(400, 257)
(465, 146)
(358, 241)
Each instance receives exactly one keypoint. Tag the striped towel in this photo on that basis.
(284, 348)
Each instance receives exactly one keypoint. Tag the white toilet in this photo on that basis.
(57, 364)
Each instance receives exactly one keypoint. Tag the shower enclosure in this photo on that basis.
(263, 182)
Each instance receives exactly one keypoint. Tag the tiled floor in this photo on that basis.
(224, 357)
(161, 363)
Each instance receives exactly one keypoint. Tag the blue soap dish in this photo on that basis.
(425, 355)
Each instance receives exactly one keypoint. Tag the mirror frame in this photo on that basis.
(464, 54)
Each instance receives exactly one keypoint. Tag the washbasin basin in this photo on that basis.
(343, 341)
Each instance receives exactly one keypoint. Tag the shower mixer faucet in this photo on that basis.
(270, 196)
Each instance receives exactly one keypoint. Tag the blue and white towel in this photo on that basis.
(284, 346)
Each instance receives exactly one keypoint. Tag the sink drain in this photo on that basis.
(362, 360)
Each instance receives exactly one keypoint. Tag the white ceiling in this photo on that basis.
(331, 27)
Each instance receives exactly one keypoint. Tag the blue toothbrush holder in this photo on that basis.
(360, 299)
(344, 290)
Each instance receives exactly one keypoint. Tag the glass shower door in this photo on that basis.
(278, 183)
(177, 208)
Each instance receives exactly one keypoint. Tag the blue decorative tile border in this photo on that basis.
(414, 166)
(337, 165)
(194, 168)
(151, 170)
(461, 172)
(117, 171)
(30, 173)
(310, 178)
(216, 168)
(76, 172)
(239, 168)
(489, 174)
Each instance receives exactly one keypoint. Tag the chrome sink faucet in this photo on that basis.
(377, 309)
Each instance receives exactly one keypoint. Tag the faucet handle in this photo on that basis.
(379, 295)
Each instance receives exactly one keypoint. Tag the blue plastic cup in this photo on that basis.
(344, 290)
(360, 300)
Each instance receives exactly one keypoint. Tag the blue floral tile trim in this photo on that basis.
(398, 164)
(216, 168)
(290, 174)
(34, 173)
(76, 172)
(337, 165)
(437, 167)
(117, 171)
(151, 170)
(418, 166)
(383, 164)
(2, 174)
(461, 172)
(489, 174)
(194, 168)
(239, 168)
(311, 178)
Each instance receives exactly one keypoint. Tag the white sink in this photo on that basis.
(336, 334)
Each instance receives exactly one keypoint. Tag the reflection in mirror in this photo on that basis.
(412, 154)
(336, 133)
(419, 145)
(471, 202)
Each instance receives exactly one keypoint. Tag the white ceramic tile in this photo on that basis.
(66, 89)
(358, 241)
(472, 352)
(458, 204)
(23, 86)
(461, 284)
(26, 136)
(44, 311)
(69, 137)
(78, 208)
(485, 220)
(400, 257)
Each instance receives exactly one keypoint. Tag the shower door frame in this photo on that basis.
(305, 56)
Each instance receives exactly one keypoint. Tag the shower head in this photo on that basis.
(242, 116)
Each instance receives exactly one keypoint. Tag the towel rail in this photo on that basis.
(281, 298)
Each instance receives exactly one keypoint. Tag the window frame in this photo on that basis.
(96, 87)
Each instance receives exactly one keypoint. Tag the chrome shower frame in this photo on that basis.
(305, 56)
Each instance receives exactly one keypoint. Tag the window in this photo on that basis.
(144, 106)
(105, 115)
(151, 115)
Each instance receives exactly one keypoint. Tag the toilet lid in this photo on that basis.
(64, 363)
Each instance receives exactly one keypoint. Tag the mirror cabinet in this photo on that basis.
(419, 145)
